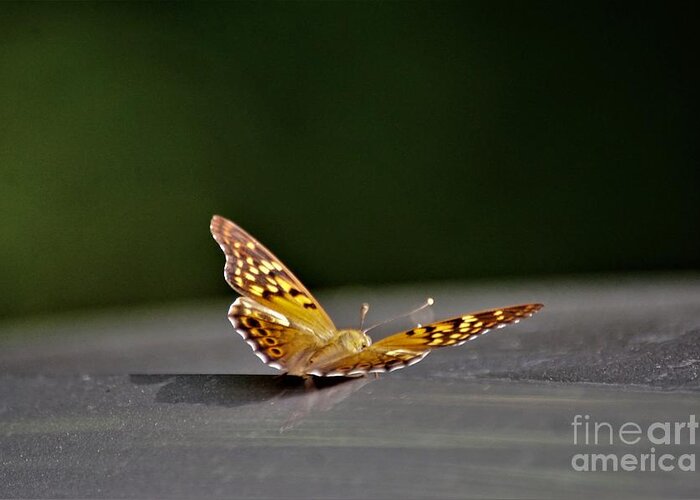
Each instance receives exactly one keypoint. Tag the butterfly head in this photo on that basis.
(354, 340)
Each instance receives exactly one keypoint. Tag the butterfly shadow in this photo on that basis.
(294, 397)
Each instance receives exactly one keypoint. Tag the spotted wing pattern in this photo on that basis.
(272, 336)
(409, 347)
(254, 272)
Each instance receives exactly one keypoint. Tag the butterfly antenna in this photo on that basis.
(364, 309)
(429, 302)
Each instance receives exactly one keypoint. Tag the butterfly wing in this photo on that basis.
(254, 272)
(409, 347)
(274, 338)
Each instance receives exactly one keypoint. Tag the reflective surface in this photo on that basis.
(148, 403)
(262, 436)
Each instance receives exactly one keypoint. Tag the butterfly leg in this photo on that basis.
(309, 384)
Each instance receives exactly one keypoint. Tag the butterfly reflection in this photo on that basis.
(289, 400)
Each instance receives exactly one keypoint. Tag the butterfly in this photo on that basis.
(289, 330)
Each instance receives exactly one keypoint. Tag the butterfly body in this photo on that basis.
(344, 342)
(289, 330)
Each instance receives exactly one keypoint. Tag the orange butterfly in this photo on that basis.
(289, 330)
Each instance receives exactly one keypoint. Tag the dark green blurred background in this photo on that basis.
(364, 143)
